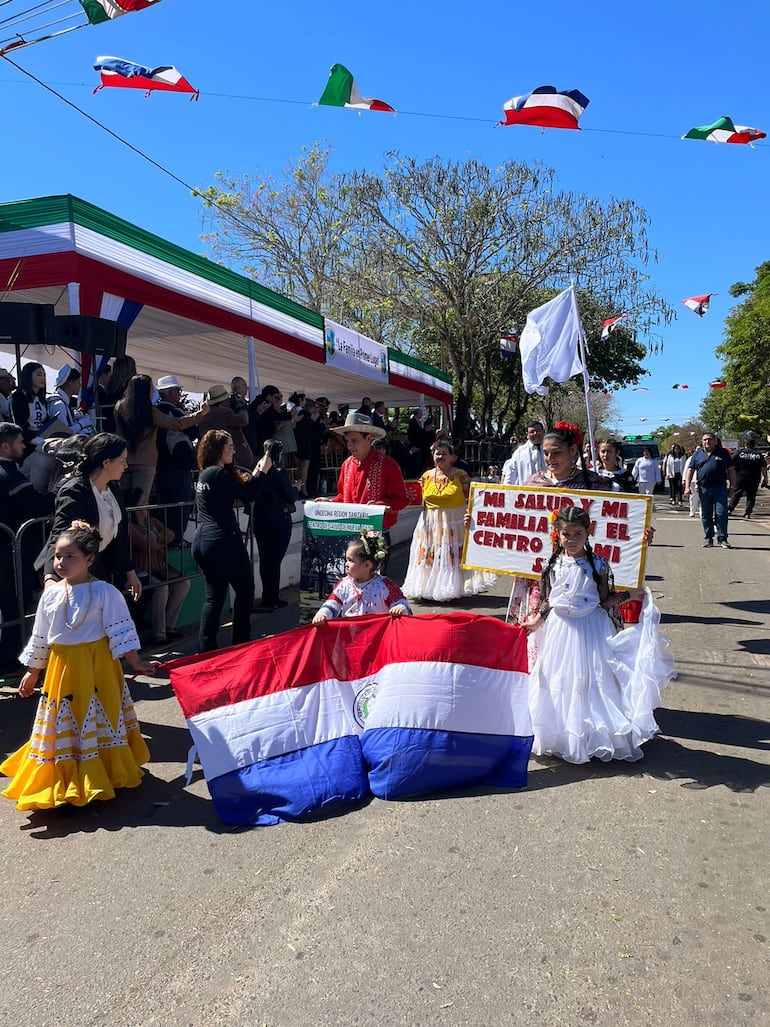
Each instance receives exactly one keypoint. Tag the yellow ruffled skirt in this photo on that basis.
(86, 740)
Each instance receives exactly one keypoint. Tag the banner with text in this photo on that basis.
(510, 531)
(327, 531)
(348, 351)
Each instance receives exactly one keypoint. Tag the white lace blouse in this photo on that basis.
(81, 613)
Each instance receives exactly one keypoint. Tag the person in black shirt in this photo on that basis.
(750, 469)
(218, 546)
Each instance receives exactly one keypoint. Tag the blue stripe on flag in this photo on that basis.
(405, 761)
(290, 786)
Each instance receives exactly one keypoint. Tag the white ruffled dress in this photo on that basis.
(592, 692)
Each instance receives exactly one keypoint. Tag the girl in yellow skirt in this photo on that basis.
(86, 740)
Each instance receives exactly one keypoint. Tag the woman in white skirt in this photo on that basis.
(434, 571)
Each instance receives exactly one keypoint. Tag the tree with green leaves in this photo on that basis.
(744, 404)
(442, 257)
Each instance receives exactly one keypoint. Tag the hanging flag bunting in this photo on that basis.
(640, 388)
(699, 304)
(119, 73)
(547, 108)
(680, 386)
(549, 343)
(508, 344)
(724, 130)
(342, 91)
(48, 19)
(98, 11)
(718, 385)
(642, 418)
(610, 324)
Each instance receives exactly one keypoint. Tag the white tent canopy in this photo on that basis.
(195, 318)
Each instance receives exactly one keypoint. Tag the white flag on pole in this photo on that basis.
(549, 343)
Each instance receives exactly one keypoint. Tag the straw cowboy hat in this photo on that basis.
(361, 423)
(217, 394)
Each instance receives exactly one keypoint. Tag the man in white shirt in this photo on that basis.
(527, 459)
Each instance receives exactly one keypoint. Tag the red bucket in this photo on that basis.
(630, 611)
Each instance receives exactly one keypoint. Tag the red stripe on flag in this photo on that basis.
(347, 649)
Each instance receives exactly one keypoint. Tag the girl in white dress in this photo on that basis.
(592, 692)
(364, 590)
(86, 740)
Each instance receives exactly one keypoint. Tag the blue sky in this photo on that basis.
(651, 74)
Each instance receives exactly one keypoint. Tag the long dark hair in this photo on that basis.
(569, 515)
(210, 452)
(25, 380)
(133, 413)
(123, 370)
(570, 435)
(99, 448)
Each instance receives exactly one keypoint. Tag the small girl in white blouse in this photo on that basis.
(86, 740)
(364, 590)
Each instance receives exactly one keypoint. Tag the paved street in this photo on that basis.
(607, 895)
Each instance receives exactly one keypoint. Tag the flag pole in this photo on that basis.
(583, 353)
(589, 422)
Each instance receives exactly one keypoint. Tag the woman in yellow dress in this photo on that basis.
(86, 740)
(434, 571)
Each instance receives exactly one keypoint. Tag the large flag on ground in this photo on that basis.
(699, 304)
(318, 716)
(119, 73)
(549, 342)
(546, 107)
(724, 130)
(342, 91)
(98, 11)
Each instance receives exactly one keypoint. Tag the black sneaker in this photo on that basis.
(724, 544)
(708, 543)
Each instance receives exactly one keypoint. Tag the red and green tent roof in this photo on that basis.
(195, 316)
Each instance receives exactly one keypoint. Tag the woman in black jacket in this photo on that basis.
(218, 546)
(92, 495)
(271, 519)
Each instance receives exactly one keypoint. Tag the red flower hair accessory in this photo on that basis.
(565, 426)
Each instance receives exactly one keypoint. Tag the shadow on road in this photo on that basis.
(681, 618)
(719, 728)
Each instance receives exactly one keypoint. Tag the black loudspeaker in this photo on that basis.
(88, 334)
(25, 323)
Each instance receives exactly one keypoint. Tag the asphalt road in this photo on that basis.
(599, 895)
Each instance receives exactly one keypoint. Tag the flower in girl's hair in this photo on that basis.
(553, 515)
(565, 426)
(83, 525)
(375, 544)
(554, 536)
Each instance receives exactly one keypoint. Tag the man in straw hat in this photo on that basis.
(368, 476)
(222, 415)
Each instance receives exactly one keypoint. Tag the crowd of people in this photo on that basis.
(593, 687)
(68, 455)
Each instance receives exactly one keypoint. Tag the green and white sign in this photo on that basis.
(327, 531)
